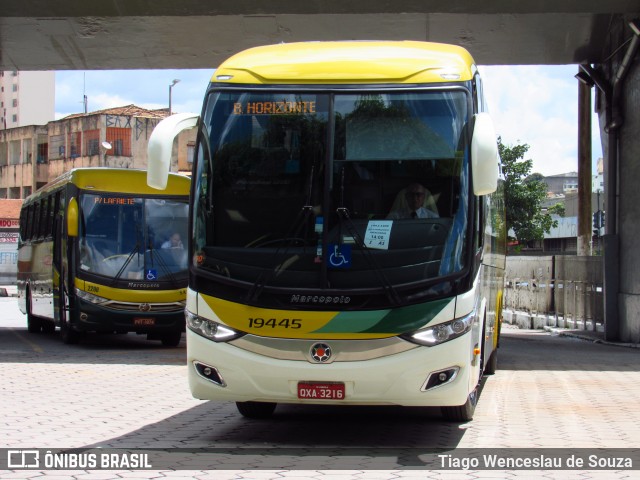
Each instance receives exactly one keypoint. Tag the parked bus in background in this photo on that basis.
(347, 228)
(90, 255)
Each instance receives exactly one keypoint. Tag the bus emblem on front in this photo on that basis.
(321, 352)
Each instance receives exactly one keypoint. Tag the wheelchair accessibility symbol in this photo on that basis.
(340, 256)
(151, 275)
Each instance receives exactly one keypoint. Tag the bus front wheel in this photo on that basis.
(256, 410)
(34, 324)
(171, 339)
(462, 413)
(492, 364)
(67, 333)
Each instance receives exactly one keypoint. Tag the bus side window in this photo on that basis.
(44, 215)
(36, 220)
(23, 224)
(27, 223)
(53, 210)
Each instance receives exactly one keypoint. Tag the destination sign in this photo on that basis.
(273, 108)
(115, 200)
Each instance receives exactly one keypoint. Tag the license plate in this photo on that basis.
(320, 391)
(144, 322)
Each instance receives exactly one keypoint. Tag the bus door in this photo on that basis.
(59, 258)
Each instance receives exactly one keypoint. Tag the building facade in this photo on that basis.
(26, 98)
(31, 156)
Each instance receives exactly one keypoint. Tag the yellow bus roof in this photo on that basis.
(348, 62)
(114, 180)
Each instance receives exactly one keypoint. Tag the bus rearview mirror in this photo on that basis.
(160, 147)
(72, 218)
(484, 155)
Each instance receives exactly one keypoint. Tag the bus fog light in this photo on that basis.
(209, 373)
(439, 378)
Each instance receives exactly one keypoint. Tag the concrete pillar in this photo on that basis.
(584, 170)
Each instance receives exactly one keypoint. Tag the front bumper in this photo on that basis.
(396, 379)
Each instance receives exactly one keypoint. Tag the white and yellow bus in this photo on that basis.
(310, 281)
(95, 253)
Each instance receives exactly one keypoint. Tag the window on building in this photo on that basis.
(26, 151)
(120, 139)
(92, 142)
(14, 154)
(4, 146)
(14, 192)
(15, 87)
(74, 145)
(56, 147)
(15, 102)
(43, 149)
(26, 191)
(14, 118)
(190, 151)
(3, 193)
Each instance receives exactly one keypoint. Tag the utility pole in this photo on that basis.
(584, 169)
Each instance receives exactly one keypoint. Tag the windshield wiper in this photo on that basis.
(289, 240)
(125, 264)
(163, 265)
(343, 214)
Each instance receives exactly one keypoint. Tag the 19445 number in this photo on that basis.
(293, 323)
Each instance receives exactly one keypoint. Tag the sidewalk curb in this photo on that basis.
(587, 337)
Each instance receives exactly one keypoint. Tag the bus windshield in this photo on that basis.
(320, 189)
(132, 238)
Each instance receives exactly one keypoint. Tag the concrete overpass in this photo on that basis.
(120, 34)
(600, 35)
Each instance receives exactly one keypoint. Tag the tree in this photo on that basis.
(524, 193)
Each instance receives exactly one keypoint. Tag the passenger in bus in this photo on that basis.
(174, 241)
(414, 201)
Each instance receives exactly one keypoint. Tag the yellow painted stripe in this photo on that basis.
(128, 295)
(22, 338)
(277, 323)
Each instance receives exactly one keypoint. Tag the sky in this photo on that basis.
(533, 105)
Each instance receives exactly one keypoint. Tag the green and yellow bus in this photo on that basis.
(347, 237)
(95, 254)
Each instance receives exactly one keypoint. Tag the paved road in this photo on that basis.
(124, 392)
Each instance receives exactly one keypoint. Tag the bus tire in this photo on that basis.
(462, 413)
(48, 326)
(492, 364)
(171, 339)
(34, 324)
(68, 335)
(258, 410)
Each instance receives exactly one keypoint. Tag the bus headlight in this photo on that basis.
(210, 329)
(442, 332)
(90, 297)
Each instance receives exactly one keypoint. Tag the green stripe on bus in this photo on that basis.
(399, 320)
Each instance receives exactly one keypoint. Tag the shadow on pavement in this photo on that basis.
(542, 350)
(215, 436)
(17, 345)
